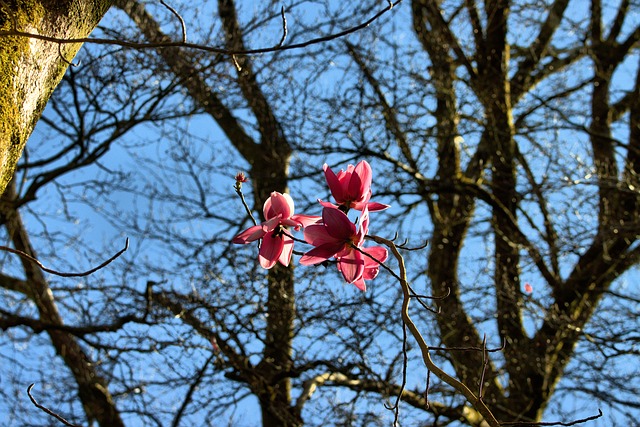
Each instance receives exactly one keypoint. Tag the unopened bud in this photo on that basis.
(241, 177)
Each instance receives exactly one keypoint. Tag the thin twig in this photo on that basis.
(59, 273)
(236, 63)
(485, 362)
(417, 248)
(71, 64)
(47, 410)
(382, 264)
(414, 294)
(238, 189)
(422, 303)
(554, 423)
(405, 364)
(195, 46)
(284, 28)
(426, 390)
(488, 350)
(182, 24)
(285, 232)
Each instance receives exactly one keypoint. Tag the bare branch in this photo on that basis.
(62, 274)
(47, 410)
(182, 24)
(195, 46)
(554, 423)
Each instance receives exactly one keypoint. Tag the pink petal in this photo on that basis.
(344, 176)
(375, 206)
(251, 234)
(290, 223)
(361, 203)
(307, 220)
(287, 250)
(334, 183)
(338, 224)
(364, 226)
(267, 210)
(270, 250)
(371, 267)
(290, 205)
(378, 252)
(317, 235)
(351, 266)
(270, 225)
(361, 284)
(356, 188)
(360, 183)
(320, 253)
(327, 204)
(278, 204)
(370, 273)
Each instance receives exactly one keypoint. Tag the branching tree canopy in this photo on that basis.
(506, 134)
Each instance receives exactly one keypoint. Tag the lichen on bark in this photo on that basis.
(31, 68)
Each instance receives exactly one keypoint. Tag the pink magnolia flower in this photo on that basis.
(276, 246)
(337, 237)
(352, 188)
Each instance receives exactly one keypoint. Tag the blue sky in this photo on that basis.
(147, 161)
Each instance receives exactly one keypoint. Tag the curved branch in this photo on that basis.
(47, 410)
(417, 400)
(62, 274)
(476, 401)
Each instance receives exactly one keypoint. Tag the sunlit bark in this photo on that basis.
(32, 68)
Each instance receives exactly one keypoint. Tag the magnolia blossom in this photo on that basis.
(276, 246)
(337, 237)
(352, 188)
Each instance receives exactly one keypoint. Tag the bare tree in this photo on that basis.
(504, 133)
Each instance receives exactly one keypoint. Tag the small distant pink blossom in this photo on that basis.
(528, 288)
(352, 188)
(276, 246)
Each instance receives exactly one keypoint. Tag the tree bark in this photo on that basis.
(32, 68)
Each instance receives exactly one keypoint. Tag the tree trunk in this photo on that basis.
(32, 68)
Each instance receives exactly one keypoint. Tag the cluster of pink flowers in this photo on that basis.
(332, 235)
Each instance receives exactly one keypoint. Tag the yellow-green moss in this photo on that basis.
(11, 50)
(39, 14)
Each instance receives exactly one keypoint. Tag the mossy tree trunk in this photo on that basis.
(31, 68)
